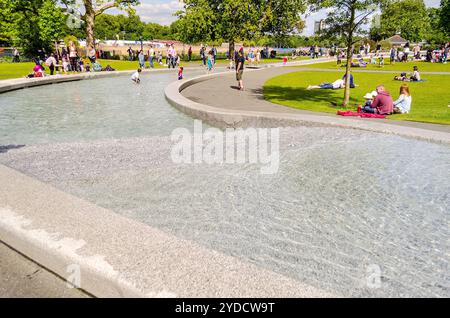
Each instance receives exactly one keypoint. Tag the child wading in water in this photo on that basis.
(135, 77)
(180, 73)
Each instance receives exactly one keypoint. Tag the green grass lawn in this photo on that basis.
(19, 70)
(430, 99)
(406, 67)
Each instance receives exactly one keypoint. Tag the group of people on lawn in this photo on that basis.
(379, 101)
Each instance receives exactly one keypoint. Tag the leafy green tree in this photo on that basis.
(435, 33)
(445, 16)
(93, 9)
(347, 20)
(406, 17)
(33, 24)
(281, 18)
(230, 20)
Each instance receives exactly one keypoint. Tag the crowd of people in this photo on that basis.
(68, 59)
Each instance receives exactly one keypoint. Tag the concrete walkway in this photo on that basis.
(20, 277)
(222, 92)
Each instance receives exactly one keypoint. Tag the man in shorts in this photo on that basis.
(240, 61)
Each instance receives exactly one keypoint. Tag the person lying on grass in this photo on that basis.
(382, 104)
(340, 83)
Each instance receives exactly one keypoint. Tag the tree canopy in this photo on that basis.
(409, 18)
(210, 20)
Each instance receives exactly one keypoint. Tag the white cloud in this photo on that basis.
(158, 11)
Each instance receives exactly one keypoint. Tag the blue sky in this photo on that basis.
(161, 11)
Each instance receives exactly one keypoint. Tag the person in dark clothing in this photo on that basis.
(240, 61)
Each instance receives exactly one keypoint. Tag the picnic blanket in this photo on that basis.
(354, 114)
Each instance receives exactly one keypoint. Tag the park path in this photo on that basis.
(222, 92)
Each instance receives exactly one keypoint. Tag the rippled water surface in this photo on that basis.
(343, 205)
(89, 110)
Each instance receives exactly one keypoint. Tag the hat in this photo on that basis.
(368, 96)
(374, 93)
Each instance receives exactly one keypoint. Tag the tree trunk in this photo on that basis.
(349, 58)
(347, 76)
(90, 24)
(231, 51)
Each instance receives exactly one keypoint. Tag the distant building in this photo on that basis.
(397, 40)
(319, 26)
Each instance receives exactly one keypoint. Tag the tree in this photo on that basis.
(347, 19)
(281, 18)
(445, 16)
(230, 20)
(435, 33)
(32, 24)
(94, 8)
(406, 17)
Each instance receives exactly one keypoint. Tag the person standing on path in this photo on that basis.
(73, 56)
(130, 54)
(240, 69)
(151, 56)
(190, 54)
(141, 58)
(16, 56)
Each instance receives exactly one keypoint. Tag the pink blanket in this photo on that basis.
(365, 115)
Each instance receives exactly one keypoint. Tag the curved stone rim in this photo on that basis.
(224, 118)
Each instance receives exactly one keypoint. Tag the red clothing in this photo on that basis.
(383, 103)
(364, 115)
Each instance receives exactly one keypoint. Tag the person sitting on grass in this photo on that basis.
(340, 83)
(369, 97)
(415, 77)
(373, 60)
(38, 71)
(403, 104)
(360, 63)
(382, 104)
(381, 61)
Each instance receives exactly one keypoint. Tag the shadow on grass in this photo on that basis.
(6, 148)
(326, 97)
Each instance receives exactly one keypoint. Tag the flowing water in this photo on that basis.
(352, 212)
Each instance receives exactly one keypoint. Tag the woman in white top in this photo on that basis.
(403, 104)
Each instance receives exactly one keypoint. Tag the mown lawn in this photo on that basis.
(18, 70)
(406, 67)
(431, 99)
